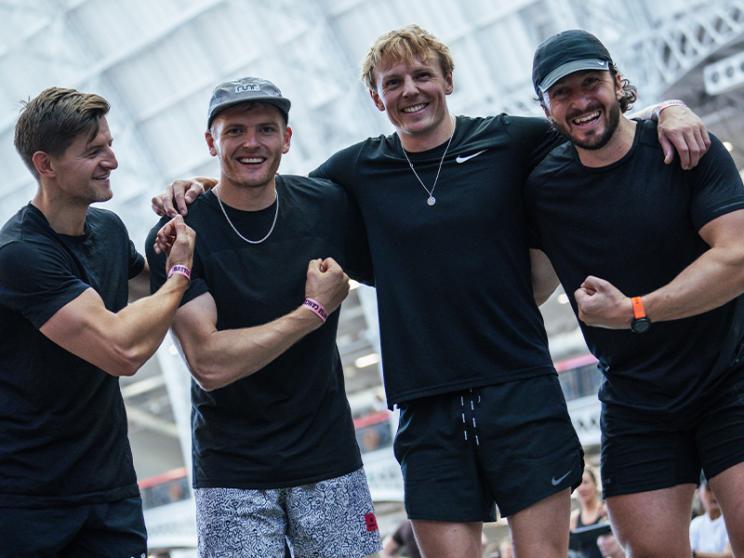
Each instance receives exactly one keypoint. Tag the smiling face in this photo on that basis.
(584, 107)
(413, 93)
(82, 172)
(249, 139)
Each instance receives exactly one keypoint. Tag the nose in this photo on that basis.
(409, 86)
(250, 138)
(110, 161)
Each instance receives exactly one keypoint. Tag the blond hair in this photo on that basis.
(52, 120)
(406, 44)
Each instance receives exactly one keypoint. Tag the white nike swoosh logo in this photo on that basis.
(463, 158)
(556, 481)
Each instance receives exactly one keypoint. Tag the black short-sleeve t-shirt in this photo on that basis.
(453, 279)
(289, 423)
(635, 223)
(63, 428)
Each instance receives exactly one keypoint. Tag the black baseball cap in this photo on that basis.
(566, 53)
(246, 90)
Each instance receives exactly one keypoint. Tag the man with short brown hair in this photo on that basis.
(67, 483)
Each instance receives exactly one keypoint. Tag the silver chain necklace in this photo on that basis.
(248, 240)
(431, 200)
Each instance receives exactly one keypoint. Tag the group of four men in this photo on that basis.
(451, 219)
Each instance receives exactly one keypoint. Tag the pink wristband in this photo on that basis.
(179, 269)
(316, 308)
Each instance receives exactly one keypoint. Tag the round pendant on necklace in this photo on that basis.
(431, 200)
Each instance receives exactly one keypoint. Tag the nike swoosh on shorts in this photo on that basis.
(556, 481)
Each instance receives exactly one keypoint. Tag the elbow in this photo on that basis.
(125, 361)
(206, 374)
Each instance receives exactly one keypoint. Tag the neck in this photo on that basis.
(64, 215)
(591, 504)
(619, 144)
(253, 198)
(714, 514)
(414, 143)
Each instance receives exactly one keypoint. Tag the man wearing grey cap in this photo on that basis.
(274, 449)
(655, 259)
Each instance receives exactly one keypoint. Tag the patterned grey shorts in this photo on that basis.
(328, 519)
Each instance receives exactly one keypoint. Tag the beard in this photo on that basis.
(595, 142)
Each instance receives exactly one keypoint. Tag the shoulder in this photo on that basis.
(559, 161)
(23, 260)
(105, 218)
(313, 185)
(313, 192)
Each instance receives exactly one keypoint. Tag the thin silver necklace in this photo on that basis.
(431, 200)
(248, 240)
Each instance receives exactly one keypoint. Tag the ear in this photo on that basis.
(210, 143)
(618, 86)
(545, 104)
(287, 139)
(376, 100)
(450, 84)
(43, 164)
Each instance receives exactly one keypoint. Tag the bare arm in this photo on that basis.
(119, 343)
(679, 130)
(218, 358)
(713, 279)
(544, 279)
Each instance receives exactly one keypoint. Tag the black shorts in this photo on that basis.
(641, 453)
(507, 445)
(110, 530)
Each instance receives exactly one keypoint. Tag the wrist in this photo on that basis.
(316, 308)
(666, 104)
(180, 270)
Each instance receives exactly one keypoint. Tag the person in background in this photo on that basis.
(708, 536)
(591, 511)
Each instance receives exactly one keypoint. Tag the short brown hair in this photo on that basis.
(405, 44)
(52, 120)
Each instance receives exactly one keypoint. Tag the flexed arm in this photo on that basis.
(218, 358)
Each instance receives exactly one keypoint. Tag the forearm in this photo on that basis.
(118, 343)
(138, 329)
(712, 280)
(220, 357)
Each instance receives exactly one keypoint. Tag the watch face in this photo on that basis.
(641, 325)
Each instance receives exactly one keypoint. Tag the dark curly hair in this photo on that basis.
(629, 91)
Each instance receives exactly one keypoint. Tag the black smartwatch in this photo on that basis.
(640, 322)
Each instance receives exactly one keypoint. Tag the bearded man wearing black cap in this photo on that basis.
(274, 448)
(655, 259)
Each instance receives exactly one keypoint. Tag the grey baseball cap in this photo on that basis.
(246, 90)
(565, 53)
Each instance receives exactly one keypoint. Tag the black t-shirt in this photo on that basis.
(635, 223)
(289, 423)
(453, 280)
(63, 428)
